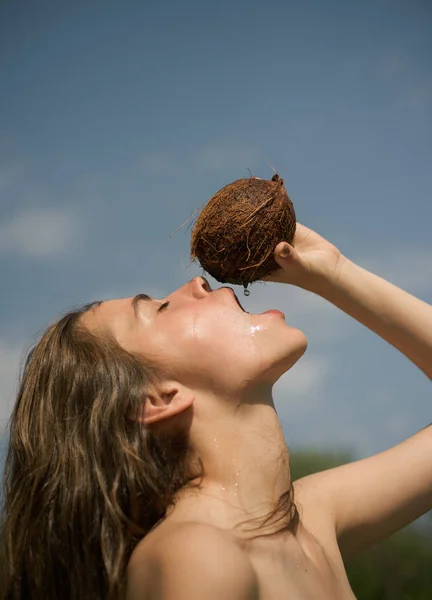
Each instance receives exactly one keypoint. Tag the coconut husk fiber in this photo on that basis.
(236, 233)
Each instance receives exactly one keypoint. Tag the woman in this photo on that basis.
(146, 459)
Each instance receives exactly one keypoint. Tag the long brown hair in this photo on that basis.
(84, 481)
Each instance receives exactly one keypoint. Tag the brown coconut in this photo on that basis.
(236, 233)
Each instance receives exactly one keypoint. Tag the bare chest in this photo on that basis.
(299, 569)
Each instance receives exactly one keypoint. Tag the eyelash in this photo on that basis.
(163, 307)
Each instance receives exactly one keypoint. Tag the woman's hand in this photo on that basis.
(309, 263)
(402, 320)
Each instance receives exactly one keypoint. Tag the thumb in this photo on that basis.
(282, 251)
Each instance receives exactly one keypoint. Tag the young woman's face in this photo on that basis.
(202, 338)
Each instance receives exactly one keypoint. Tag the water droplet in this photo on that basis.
(246, 292)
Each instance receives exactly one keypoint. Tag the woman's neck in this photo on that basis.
(246, 466)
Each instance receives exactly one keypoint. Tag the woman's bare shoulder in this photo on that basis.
(169, 530)
(190, 554)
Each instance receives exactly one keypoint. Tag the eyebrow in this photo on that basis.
(137, 299)
(90, 306)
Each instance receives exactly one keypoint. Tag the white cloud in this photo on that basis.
(11, 356)
(308, 374)
(39, 233)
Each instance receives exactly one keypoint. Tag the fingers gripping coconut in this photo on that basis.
(236, 233)
(310, 262)
(248, 232)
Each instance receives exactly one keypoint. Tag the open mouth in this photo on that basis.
(237, 300)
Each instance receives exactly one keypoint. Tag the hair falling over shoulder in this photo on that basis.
(83, 482)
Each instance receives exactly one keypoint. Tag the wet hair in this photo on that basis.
(84, 480)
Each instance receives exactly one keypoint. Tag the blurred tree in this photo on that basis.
(399, 568)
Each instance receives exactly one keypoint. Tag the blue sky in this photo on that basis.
(118, 119)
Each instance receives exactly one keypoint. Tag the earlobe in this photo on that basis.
(164, 403)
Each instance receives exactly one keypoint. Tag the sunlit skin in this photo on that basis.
(216, 365)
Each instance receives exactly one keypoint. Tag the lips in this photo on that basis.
(273, 311)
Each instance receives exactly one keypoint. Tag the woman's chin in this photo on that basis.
(297, 347)
(286, 359)
(296, 341)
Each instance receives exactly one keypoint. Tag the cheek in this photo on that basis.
(215, 343)
(226, 338)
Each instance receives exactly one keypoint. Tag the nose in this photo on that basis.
(200, 286)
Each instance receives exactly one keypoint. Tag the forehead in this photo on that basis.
(111, 315)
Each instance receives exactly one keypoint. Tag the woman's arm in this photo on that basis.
(370, 499)
(398, 317)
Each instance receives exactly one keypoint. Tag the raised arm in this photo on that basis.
(372, 498)
(398, 317)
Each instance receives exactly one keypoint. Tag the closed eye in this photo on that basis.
(163, 306)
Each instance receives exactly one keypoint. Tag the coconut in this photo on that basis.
(236, 233)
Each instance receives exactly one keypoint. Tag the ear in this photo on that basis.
(164, 400)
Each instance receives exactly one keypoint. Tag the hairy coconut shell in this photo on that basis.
(236, 233)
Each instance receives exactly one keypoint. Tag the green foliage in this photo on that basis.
(307, 461)
(399, 568)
